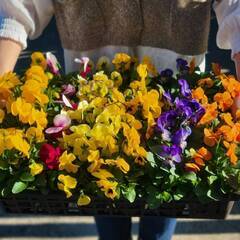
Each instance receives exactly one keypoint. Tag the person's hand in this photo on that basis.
(9, 52)
(237, 64)
(236, 104)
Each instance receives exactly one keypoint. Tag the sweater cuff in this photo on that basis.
(12, 29)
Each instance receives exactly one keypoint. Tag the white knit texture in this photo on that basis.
(11, 29)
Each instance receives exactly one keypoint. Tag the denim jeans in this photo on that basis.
(150, 228)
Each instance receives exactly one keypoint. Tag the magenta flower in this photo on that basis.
(84, 61)
(61, 122)
(52, 63)
(68, 90)
(66, 102)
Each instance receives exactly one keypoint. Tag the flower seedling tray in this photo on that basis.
(57, 204)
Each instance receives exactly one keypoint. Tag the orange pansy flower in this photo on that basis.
(231, 153)
(216, 68)
(199, 95)
(227, 133)
(205, 82)
(210, 114)
(227, 117)
(210, 138)
(192, 66)
(201, 156)
(230, 84)
(192, 167)
(224, 100)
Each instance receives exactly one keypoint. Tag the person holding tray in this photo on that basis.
(164, 30)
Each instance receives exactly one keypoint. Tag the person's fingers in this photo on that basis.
(237, 65)
(236, 105)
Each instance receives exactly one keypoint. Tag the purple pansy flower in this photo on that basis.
(180, 136)
(166, 120)
(182, 64)
(168, 97)
(167, 73)
(171, 154)
(175, 124)
(184, 88)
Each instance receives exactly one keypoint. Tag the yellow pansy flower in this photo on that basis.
(150, 66)
(65, 163)
(36, 73)
(120, 163)
(14, 138)
(39, 59)
(103, 63)
(83, 200)
(150, 102)
(95, 166)
(2, 115)
(122, 61)
(94, 155)
(41, 118)
(7, 82)
(35, 133)
(116, 78)
(2, 141)
(36, 168)
(102, 174)
(81, 130)
(108, 187)
(66, 184)
(142, 71)
(32, 92)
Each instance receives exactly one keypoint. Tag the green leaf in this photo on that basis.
(212, 179)
(201, 191)
(208, 170)
(191, 176)
(166, 196)
(27, 177)
(3, 165)
(3, 175)
(129, 193)
(151, 160)
(178, 196)
(19, 187)
(224, 174)
(41, 181)
(212, 195)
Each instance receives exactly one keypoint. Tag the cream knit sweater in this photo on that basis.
(22, 19)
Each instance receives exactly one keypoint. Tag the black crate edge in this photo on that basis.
(57, 204)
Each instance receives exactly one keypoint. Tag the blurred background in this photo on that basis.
(83, 228)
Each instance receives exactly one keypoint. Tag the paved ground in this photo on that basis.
(82, 228)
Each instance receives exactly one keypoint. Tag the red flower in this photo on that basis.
(84, 74)
(50, 155)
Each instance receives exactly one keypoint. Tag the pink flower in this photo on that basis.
(68, 90)
(66, 102)
(84, 61)
(52, 63)
(61, 122)
(86, 67)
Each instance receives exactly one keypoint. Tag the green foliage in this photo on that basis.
(19, 187)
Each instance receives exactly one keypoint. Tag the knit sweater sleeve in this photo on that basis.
(228, 16)
(20, 19)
